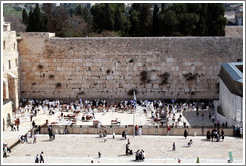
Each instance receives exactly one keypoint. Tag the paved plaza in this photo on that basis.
(158, 149)
(84, 148)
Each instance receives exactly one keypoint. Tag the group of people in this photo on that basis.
(15, 125)
(140, 155)
(39, 158)
(215, 134)
(138, 130)
(238, 131)
(104, 135)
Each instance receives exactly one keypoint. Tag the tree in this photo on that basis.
(86, 15)
(216, 20)
(48, 8)
(202, 29)
(75, 26)
(155, 23)
(24, 17)
(58, 20)
(108, 22)
(145, 20)
(103, 18)
(30, 22)
(16, 23)
(118, 20)
(134, 22)
(79, 10)
(36, 16)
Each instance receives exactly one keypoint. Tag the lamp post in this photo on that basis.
(134, 123)
(134, 113)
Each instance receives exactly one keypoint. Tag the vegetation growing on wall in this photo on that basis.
(40, 66)
(131, 92)
(144, 77)
(164, 78)
(190, 76)
(58, 85)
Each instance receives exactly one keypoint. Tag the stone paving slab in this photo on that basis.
(158, 149)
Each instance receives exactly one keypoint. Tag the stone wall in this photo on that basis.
(157, 67)
(234, 31)
(10, 66)
(146, 130)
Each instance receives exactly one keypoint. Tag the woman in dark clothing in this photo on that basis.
(185, 133)
(208, 135)
(222, 135)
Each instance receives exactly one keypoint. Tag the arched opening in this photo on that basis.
(14, 46)
(4, 44)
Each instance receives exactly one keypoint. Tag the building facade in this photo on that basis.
(10, 80)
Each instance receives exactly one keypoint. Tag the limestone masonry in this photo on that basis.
(110, 68)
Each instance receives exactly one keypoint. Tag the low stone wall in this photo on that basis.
(146, 130)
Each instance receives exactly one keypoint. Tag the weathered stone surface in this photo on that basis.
(110, 67)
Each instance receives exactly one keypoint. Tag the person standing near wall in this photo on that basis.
(185, 133)
(136, 130)
(140, 130)
(17, 123)
(222, 135)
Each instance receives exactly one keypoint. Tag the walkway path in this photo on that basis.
(158, 149)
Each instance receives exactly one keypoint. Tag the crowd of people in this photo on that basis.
(161, 111)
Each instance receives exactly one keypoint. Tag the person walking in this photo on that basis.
(208, 135)
(33, 124)
(36, 159)
(34, 138)
(113, 135)
(17, 123)
(174, 147)
(185, 133)
(123, 134)
(41, 157)
(222, 135)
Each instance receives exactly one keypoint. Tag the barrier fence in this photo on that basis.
(146, 130)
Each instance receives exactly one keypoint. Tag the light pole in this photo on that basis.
(134, 113)
(134, 123)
